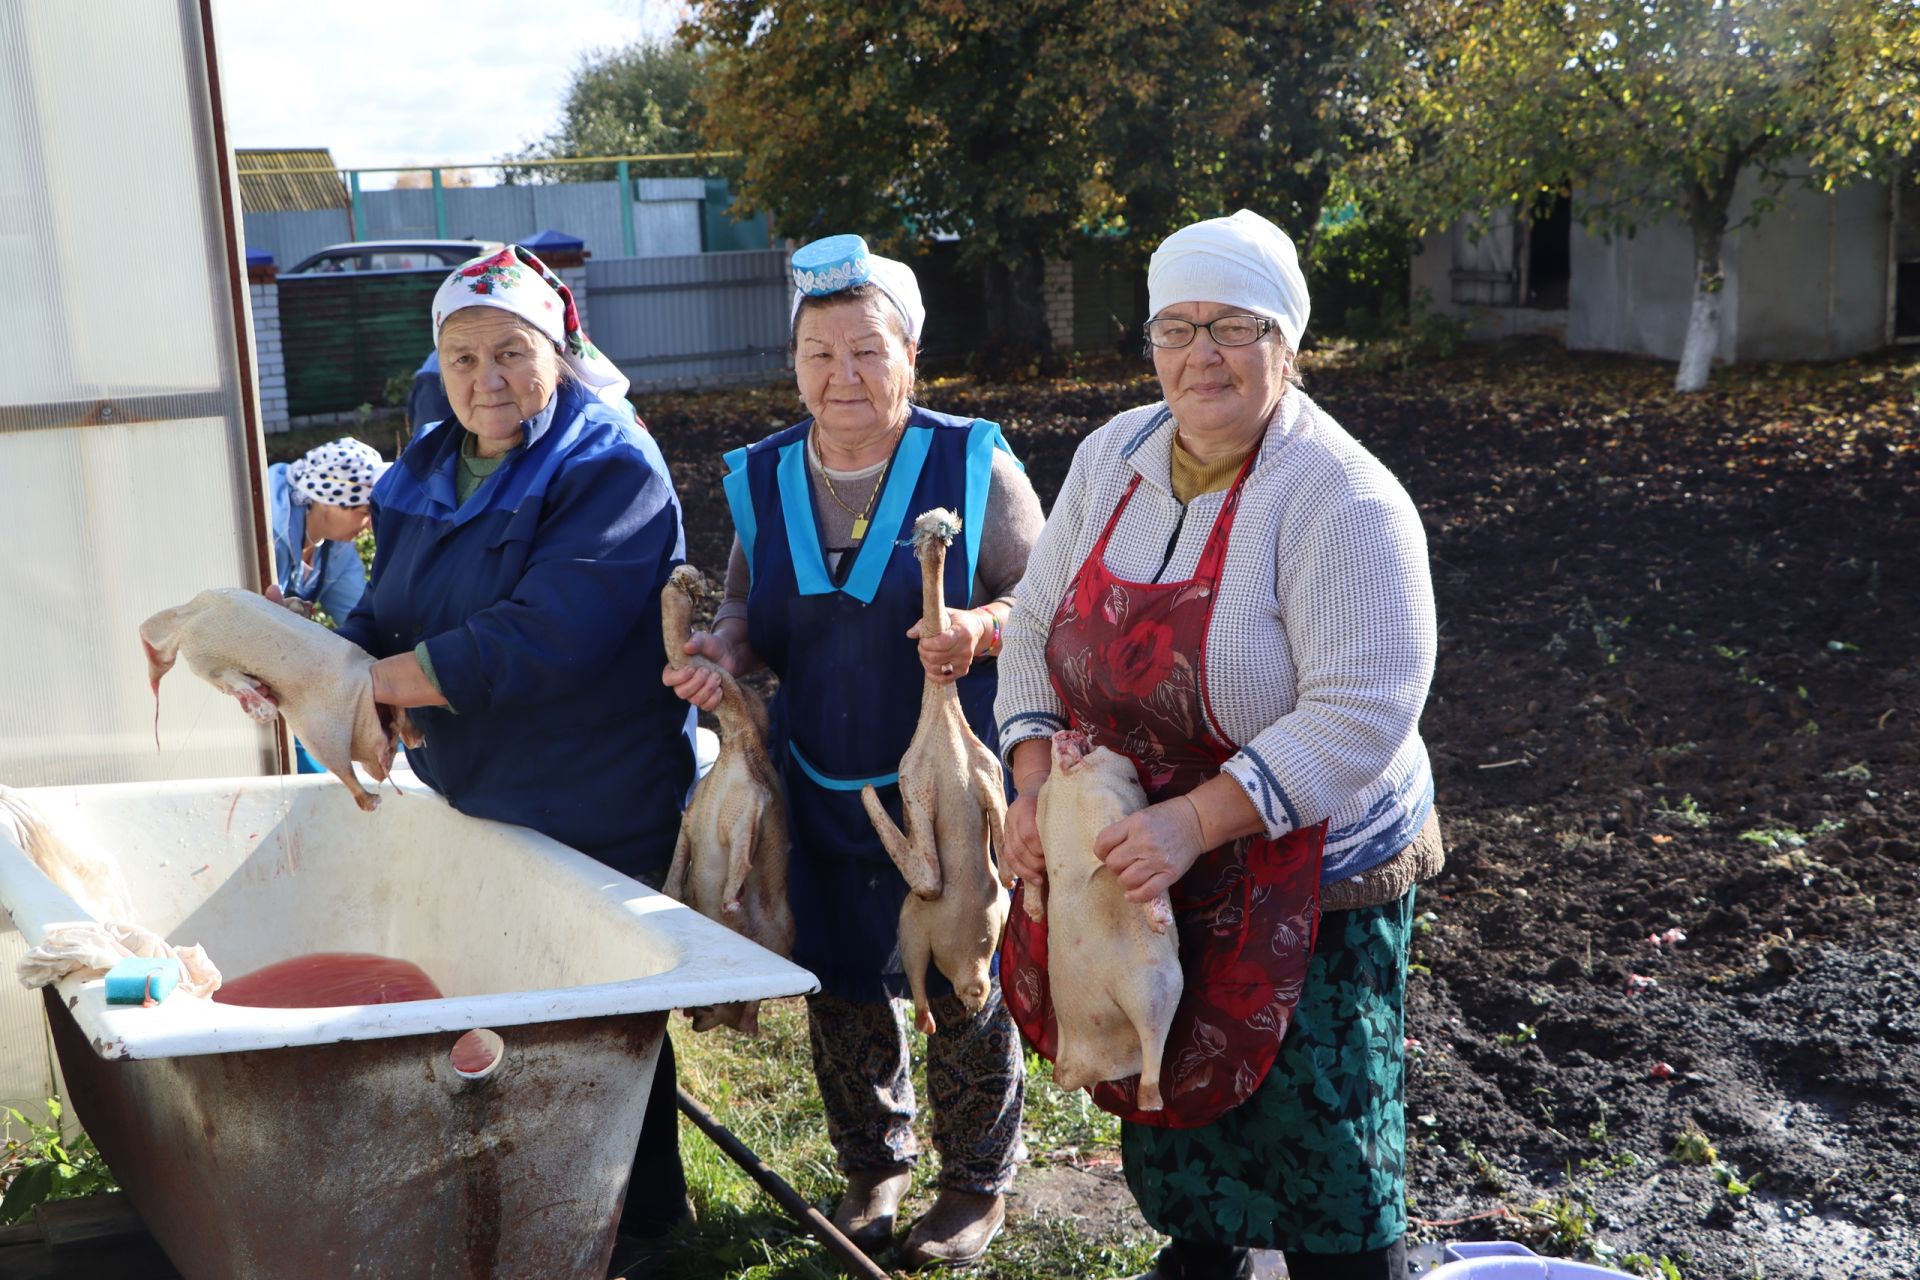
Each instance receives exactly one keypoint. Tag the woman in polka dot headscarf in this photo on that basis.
(319, 503)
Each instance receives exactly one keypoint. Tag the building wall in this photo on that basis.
(1633, 293)
(1427, 272)
(1813, 276)
(1808, 281)
(1431, 281)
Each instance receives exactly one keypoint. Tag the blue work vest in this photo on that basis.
(850, 679)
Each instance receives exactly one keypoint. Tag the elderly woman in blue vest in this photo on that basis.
(823, 587)
(317, 505)
(514, 607)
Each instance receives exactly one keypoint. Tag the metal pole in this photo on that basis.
(359, 209)
(495, 164)
(439, 207)
(622, 177)
(792, 1201)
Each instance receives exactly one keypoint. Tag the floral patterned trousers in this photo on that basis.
(1315, 1160)
(976, 1074)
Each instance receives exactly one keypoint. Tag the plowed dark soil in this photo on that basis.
(1667, 996)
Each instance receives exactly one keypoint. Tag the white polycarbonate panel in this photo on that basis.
(106, 195)
(119, 523)
(126, 480)
(127, 451)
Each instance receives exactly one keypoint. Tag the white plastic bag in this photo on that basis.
(89, 948)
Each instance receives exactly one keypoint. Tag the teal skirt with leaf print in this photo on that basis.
(1315, 1160)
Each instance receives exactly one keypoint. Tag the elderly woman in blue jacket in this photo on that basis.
(514, 607)
(317, 505)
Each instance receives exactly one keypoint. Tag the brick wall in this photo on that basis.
(575, 278)
(270, 358)
(1056, 288)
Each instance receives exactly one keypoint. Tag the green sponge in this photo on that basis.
(142, 980)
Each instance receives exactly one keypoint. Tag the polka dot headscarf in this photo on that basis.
(339, 473)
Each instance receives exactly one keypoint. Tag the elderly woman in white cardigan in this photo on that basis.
(1231, 591)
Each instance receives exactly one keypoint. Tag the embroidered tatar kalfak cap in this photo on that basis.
(835, 264)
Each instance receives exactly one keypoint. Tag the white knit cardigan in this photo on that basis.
(1322, 641)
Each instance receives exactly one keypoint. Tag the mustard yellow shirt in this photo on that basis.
(1192, 477)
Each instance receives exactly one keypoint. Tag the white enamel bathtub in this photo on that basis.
(287, 1142)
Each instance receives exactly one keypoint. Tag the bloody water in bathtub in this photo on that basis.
(326, 979)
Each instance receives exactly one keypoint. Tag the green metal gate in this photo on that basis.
(346, 335)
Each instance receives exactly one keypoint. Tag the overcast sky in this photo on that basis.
(385, 82)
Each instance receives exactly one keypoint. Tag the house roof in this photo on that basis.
(266, 186)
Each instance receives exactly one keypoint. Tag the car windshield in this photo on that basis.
(398, 260)
(400, 257)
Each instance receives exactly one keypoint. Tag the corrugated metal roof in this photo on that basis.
(266, 187)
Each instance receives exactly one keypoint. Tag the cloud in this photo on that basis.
(425, 81)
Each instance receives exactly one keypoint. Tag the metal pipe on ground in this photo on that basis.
(792, 1201)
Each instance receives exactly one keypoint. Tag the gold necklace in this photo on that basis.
(860, 516)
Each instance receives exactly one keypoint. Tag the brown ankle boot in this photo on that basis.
(866, 1211)
(957, 1230)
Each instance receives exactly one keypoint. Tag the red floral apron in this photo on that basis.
(1128, 660)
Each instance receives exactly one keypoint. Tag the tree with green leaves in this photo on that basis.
(1226, 105)
(1643, 110)
(1024, 125)
(636, 100)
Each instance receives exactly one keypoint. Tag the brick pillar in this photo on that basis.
(1056, 289)
(270, 359)
(572, 270)
(576, 282)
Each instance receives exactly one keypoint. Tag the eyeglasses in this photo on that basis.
(1227, 331)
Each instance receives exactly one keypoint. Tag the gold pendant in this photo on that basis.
(859, 527)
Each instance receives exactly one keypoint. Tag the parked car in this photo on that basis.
(391, 255)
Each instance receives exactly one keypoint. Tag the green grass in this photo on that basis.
(1687, 812)
(37, 1163)
(1784, 837)
(763, 1090)
(1694, 1147)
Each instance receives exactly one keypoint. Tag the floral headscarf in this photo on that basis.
(339, 473)
(513, 279)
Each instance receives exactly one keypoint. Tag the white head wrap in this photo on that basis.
(1241, 261)
(513, 279)
(339, 473)
(893, 278)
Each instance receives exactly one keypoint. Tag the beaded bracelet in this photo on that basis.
(996, 638)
